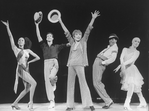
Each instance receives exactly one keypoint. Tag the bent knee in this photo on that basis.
(34, 83)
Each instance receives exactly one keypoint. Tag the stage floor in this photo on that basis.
(78, 107)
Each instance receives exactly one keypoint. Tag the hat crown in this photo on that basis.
(113, 36)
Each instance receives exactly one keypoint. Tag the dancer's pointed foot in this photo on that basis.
(142, 106)
(15, 107)
(127, 108)
(30, 106)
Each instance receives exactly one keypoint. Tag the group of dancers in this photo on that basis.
(132, 80)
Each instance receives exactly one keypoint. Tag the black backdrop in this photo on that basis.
(126, 18)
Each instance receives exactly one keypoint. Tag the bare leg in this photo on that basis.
(128, 97)
(28, 78)
(21, 95)
(142, 100)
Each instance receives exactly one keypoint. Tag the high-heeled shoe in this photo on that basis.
(14, 107)
(142, 106)
(30, 106)
(127, 108)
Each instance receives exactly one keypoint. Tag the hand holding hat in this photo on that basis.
(54, 16)
(38, 17)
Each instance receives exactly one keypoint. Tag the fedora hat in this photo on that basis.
(113, 36)
(38, 17)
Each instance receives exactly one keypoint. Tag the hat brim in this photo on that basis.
(114, 38)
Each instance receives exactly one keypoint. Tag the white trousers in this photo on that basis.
(85, 92)
(50, 71)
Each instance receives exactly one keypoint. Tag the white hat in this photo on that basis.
(54, 15)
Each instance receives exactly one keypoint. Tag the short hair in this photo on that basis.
(76, 31)
(28, 43)
(50, 33)
(136, 38)
(113, 35)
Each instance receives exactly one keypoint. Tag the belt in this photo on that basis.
(102, 57)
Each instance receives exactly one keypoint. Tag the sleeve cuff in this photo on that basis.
(103, 62)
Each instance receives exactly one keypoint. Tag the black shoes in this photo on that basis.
(69, 109)
(92, 108)
(107, 107)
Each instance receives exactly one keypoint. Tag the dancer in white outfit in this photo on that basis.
(132, 80)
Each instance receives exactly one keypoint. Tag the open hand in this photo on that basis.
(68, 44)
(116, 69)
(95, 14)
(5, 23)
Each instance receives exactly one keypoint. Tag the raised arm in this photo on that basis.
(63, 26)
(94, 16)
(67, 33)
(10, 35)
(88, 30)
(37, 22)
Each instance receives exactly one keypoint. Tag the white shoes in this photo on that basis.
(52, 105)
(142, 106)
(127, 108)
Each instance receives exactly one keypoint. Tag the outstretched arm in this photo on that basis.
(88, 30)
(10, 34)
(67, 33)
(63, 26)
(94, 16)
(37, 28)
